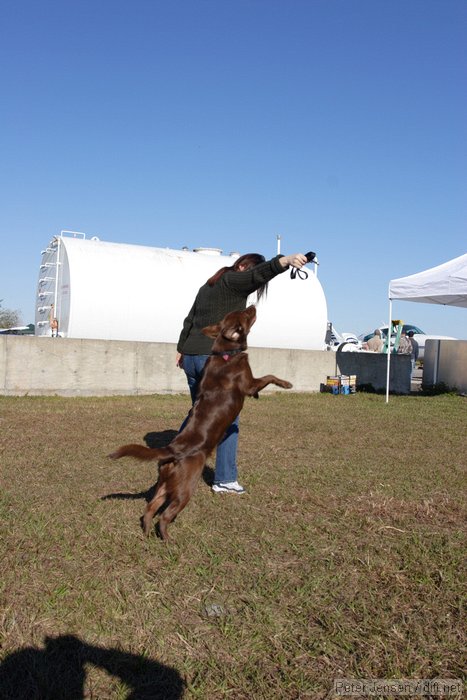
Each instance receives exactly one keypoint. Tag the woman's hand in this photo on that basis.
(179, 360)
(297, 260)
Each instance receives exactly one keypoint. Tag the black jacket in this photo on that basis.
(229, 293)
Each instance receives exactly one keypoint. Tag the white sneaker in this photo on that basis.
(230, 487)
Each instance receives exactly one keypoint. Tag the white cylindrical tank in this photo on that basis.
(93, 289)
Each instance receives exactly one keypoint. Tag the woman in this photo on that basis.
(227, 290)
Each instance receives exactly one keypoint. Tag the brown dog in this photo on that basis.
(227, 379)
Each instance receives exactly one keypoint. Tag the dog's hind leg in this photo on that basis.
(169, 515)
(152, 508)
(162, 494)
(180, 488)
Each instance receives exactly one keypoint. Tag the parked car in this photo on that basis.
(420, 336)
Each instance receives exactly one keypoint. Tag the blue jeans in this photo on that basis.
(226, 457)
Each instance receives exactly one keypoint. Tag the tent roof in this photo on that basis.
(444, 284)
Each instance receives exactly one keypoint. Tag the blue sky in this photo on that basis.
(339, 124)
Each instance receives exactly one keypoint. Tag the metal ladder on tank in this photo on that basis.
(396, 327)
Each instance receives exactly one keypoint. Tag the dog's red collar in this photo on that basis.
(226, 354)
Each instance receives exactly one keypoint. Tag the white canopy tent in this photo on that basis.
(445, 284)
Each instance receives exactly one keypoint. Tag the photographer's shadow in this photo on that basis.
(58, 672)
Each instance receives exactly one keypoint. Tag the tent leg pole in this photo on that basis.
(389, 350)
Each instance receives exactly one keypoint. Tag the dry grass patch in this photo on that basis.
(345, 557)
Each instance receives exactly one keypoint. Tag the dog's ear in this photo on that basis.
(212, 331)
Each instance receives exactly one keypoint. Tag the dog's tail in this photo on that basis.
(142, 452)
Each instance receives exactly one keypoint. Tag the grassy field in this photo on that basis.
(345, 557)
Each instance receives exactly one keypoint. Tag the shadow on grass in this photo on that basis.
(139, 495)
(160, 439)
(58, 671)
(155, 440)
(148, 495)
(164, 438)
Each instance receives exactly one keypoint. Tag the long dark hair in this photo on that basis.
(246, 262)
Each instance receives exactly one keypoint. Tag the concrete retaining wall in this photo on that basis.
(371, 369)
(73, 367)
(445, 361)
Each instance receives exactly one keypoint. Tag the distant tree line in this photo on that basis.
(8, 317)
